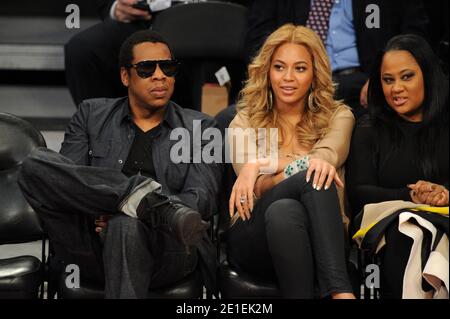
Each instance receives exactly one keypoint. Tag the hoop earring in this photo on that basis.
(311, 105)
(269, 100)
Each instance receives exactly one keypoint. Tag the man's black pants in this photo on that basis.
(68, 198)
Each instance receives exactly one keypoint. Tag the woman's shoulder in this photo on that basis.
(241, 119)
(342, 117)
(343, 112)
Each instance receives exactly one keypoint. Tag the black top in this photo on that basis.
(140, 160)
(372, 177)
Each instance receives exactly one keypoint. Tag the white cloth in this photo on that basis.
(155, 5)
(436, 270)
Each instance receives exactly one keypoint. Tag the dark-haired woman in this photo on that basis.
(400, 151)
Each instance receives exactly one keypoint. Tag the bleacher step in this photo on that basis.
(35, 43)
(46, 107)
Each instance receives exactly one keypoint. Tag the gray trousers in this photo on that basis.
(133, 258)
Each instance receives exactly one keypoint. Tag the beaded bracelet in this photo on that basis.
(296, 166)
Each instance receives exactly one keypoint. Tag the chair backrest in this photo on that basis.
(223, 120)
(204, 29)
(18, 221)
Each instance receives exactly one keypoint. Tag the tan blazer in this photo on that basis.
(333, 148)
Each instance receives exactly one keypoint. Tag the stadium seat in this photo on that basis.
(21, 276)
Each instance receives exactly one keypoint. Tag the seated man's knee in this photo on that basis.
(76, 49)
(83, 45)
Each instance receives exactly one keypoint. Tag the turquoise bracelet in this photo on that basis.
(296, 166)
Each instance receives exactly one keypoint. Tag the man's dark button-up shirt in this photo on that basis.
(101, 134)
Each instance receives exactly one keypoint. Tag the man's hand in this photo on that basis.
(124, 12)
(101, 222)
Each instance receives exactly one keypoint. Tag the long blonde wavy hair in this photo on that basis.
(254, 100)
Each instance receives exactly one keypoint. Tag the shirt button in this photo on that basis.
(120, 161)
(337, 1)
(334, 32)
(90, 152)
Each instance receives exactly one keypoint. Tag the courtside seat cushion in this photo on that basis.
(240, 285)
(20, 277)
(188, 288)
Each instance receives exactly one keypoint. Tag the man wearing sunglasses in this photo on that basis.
(114, 177)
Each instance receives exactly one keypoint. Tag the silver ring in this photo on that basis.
(243, 199)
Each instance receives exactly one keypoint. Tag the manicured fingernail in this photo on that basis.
(326, 187)
(318, 188)
(307, 179)
(314, 186)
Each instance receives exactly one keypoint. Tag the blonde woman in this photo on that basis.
(290, 228)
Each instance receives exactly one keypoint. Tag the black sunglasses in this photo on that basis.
(146, 69)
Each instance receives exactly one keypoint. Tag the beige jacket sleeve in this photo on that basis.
(334, 147)
(240, 121)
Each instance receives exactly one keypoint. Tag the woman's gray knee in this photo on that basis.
(299, 180)
(285, 211)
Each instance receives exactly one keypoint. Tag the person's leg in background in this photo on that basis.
(92, 60)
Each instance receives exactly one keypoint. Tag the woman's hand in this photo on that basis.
(325, 173)
(242, 192)
(428, 193)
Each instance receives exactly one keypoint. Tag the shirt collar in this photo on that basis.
(169, 114)
(126, 112)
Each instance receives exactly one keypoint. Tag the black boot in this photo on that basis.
(159, 210)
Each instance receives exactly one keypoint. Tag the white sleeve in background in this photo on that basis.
(159, 5)
(111, 11)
